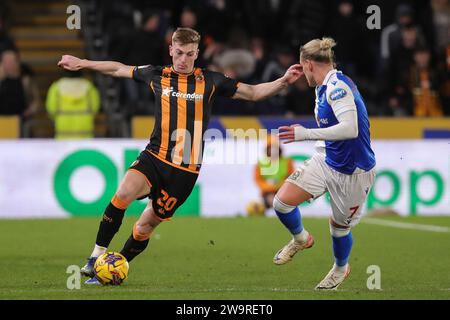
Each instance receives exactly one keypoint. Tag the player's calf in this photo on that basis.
(109, 225)
(136, 243)
(111, 222)
(290, 217)
(342, 245)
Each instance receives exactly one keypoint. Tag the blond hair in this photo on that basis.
(186, 36)
(319, 50)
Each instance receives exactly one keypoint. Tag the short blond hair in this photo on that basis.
(186, 36)
(319, 50)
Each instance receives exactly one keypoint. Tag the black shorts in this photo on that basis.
(170, 186)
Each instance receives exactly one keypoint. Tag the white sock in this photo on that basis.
(340, 269)
(98, 251)
(302, 236)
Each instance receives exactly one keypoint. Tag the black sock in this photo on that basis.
(133, 247)
(110, 224)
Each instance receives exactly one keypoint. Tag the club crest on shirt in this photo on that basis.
(199, 77)
(337, 94)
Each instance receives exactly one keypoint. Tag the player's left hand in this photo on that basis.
(292, 133)
(70, 63)
(293, 73)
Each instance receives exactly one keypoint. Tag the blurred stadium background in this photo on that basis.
(402, 71)
(389, 65)
(51, 167)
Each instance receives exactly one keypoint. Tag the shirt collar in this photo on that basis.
(328, 76)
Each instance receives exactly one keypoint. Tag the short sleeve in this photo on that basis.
(144, 73)
(225, 86)
(340, 97)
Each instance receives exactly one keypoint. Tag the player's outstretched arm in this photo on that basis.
(110, 68)
(347, 128)
(266, 90)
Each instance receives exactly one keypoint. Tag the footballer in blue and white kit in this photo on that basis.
(343, 166)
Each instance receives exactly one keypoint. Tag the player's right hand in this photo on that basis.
(70, 63)
(294, 73)
(293, 133)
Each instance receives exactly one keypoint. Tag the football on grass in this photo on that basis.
(111, 268)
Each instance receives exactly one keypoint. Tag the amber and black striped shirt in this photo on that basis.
(183, 108)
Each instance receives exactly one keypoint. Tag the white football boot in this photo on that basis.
(285, 254)
(334, 278)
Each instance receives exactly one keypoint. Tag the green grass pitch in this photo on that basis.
(194, 258)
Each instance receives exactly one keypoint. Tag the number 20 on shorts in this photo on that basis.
(166, 201)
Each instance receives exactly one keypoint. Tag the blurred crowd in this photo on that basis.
(401, 69)
(19, 93)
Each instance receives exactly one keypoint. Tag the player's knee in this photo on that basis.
(339, 232)
(119, 202)
(142, 232)
(125, 195)
(282, 207)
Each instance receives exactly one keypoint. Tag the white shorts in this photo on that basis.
(347, 192)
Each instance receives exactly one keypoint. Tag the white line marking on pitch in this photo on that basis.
(405, 225)
(168, 291)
